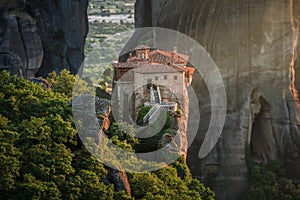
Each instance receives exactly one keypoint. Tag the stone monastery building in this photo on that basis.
(150, 77)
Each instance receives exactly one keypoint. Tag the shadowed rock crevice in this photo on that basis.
(263, 145)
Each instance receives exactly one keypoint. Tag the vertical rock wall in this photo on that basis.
(21, 49)
(40, 36)
(252, 44)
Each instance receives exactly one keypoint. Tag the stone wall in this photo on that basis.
(123, 102)
(175, 86)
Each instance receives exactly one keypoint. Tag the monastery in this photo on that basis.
(156, 77)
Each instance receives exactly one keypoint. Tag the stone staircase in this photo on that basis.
(152, 111)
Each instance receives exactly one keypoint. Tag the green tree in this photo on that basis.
(165, 184)
(9, 159)
(122, 135)
(268, 182)
(65, 82)
(40, 151)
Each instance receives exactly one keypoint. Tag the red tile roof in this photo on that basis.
(169, 54)
(157, 68)
(131, 64)
(165, 57)
(160, 61)
(190, 70)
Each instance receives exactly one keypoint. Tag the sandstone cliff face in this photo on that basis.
(251, 42)
(38, 37)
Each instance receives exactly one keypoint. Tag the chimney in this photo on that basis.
(175, 50)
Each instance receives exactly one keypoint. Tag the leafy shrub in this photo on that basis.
(141, 114)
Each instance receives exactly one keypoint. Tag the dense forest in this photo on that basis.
(42, 156)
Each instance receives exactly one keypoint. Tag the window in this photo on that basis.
(156, 78)
(175, 78)
(149, 80)
(165, 77)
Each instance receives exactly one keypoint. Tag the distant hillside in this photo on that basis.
(109, 23)
(107, 7)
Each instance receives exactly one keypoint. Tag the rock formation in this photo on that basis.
(85, 109)
(253, 43)
(38, 37)
(119, 179)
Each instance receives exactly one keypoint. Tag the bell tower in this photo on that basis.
(142, 52)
